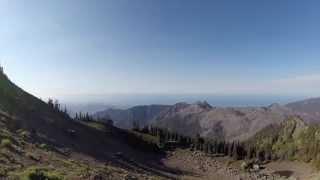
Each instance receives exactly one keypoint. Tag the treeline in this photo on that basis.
(56, 107)
(140, 142)
(291, 140)
(236, 150)
(63, 111)
(168, 139)
(163, 136)
(83, 117)
(79, 116)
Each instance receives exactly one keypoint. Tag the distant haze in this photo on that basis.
(125, 101)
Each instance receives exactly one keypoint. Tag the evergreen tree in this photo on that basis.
(235, 151)
(50, 103)
(135, 125)
(205, 148)
(230, 149)
(56, 105)
(77, 117)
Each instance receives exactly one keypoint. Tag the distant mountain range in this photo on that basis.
(90, 108)
(39, 140)
(230, 123)
(125, 118)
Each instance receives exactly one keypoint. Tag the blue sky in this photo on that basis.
(61, 48)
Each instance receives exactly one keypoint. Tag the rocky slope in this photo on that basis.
(216, 122)
(201, 118)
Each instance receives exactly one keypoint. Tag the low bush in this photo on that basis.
(6, 143)
(25, 134)
(44, 147)
(36, 173)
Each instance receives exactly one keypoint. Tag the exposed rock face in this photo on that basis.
(214, 122)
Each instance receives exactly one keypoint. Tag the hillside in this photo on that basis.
(291, 140)
(24, 156)
(37, 142)
(308, 109)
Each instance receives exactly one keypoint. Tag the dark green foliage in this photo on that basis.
(6, 143)
(36, 173)
(135, 125)
(291, 140)
(84, 117)
(169, 140)
(56, 107)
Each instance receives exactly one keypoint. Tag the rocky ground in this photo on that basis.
(197, 165)
(20, 159)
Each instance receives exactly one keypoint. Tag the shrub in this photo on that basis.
(6, 143)
(244, 166)
(35, 173)
(33, 157)
(3, 172)
(44, 146)
(25, 134)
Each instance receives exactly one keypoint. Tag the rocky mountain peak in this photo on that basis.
(203, 104)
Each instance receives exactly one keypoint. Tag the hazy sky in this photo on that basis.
(79, 47)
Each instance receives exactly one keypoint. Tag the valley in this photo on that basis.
(159, 90)
(38, 140)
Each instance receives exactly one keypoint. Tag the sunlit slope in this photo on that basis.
(29, 111)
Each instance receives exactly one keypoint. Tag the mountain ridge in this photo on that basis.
(201, 118)
(308, 109)
(125, 118)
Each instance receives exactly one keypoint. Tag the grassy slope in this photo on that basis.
(31, 113)
(89, 150)
(21, 158)
(293, 140)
